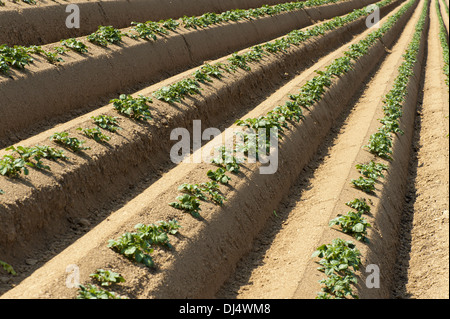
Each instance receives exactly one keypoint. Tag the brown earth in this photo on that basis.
(102, 74)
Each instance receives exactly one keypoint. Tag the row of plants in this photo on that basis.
(443, 38)
(338, 281)
(19, 56)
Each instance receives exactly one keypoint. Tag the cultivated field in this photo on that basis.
(91, 120)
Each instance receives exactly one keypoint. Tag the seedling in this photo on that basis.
(360, 205)
(337, 287)
(17, 57)
(169, 24)
(193, 189)
(8, 268)
(277, 46)
(380, 144)
(150, 29)
(157, 235)
(219, 175)
(212, 188)
(198, 190)
(52, 57)
(227, 160)
(372, 170)
(202, 77)
(239, 61)
(171, 227)
(212, 70)
(339, 258)
(94, 292)
(365, 184)
(61, 50)
(29, 153)
(133, 247)
(138, 245)
(178, 91)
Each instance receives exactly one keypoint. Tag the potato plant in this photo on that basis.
(353, 224)
(8, 268)
(95, 134)
(443, 38)
(72, 143)
(28, 154)
(337, 287)
(135, 108)
(139, 245)
(17, 57)
(105, 35)
(93, 292)
(372, 170)
(340, 257)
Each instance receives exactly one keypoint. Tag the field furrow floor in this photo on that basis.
(207, 249)
(301, 221)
